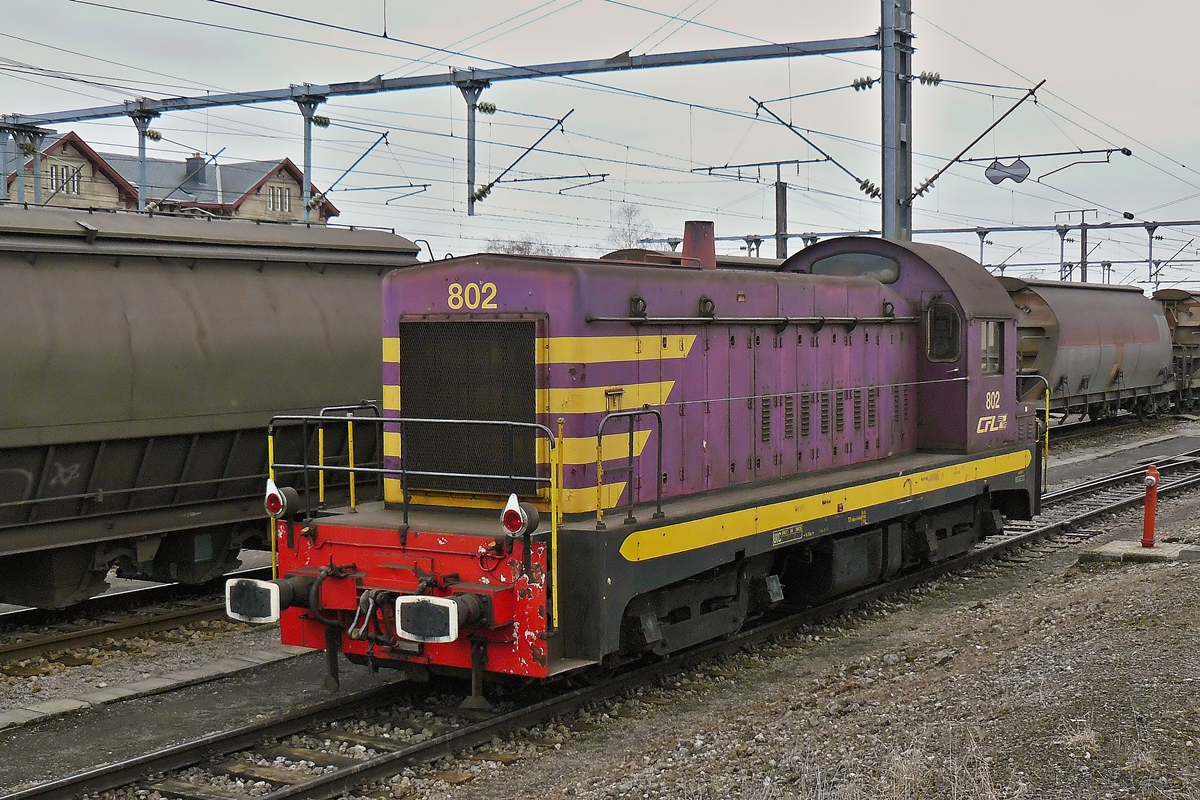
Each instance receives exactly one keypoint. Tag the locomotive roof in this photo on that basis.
(80, 231)
(674, 258)
(975, 288)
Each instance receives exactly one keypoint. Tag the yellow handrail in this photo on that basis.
(1046, 449)
(321, 463)
(555, 511)
(350, 450)
(559, 451)
(599, 485)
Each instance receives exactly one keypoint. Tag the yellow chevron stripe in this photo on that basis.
(392, 494)
(608, 349)
(684, 536)
(592, 399)
(589, 349)
(582, 450)
(576, 450)
(581, 501)
(574, 501)
(583, 400)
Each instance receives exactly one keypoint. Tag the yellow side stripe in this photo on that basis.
(609, 349)
(589, 349)
(598, 399)
(684, 536)
(391, 397)
(576, 450)
(583, 400)
(574, 501)
(579, 501)
(582, 449)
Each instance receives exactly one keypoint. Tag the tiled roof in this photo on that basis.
(223, 184)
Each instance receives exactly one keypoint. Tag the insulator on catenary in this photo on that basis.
(861, 84)
(930, 78)
(486, 108)
(869, 188)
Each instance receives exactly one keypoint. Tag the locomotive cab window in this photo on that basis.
(859, 265)
(992, 343)
(943, 331)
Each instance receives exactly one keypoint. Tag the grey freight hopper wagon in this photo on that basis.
(142, 359)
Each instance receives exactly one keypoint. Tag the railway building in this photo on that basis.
(77, 176)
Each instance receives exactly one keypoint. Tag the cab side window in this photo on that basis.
(992, 338)
(944, 330)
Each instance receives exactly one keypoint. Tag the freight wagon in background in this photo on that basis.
(142, 360)
(1099, 348)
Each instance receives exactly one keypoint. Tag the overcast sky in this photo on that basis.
(1117, 75)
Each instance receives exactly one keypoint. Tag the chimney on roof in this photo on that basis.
(194, 168)
(699, 243)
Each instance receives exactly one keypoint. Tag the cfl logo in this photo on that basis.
(996, 422)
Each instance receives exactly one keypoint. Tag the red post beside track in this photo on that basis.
(1152, 477)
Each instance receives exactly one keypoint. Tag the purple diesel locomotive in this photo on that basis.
(586, 460)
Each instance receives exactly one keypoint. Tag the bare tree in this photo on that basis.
(628, 226)
(528, 246)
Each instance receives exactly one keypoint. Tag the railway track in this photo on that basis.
(205, 768)
(111, 628)
(1068, 431)
(109, 632)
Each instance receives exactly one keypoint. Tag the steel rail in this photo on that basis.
(1065, 431)
(335, 784)
(90, 637)
(187, 754)
(1168, 464)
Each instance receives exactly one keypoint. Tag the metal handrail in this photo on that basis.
(362, 406)
(632, 415)
(554, 464)
(403, 472)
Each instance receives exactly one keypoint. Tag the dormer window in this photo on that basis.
(64, 179)
(279, 198)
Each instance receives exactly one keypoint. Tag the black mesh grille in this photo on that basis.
(468, 371)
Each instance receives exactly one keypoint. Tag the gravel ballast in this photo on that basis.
(1045, 680)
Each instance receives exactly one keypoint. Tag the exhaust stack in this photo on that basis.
(699, 243)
